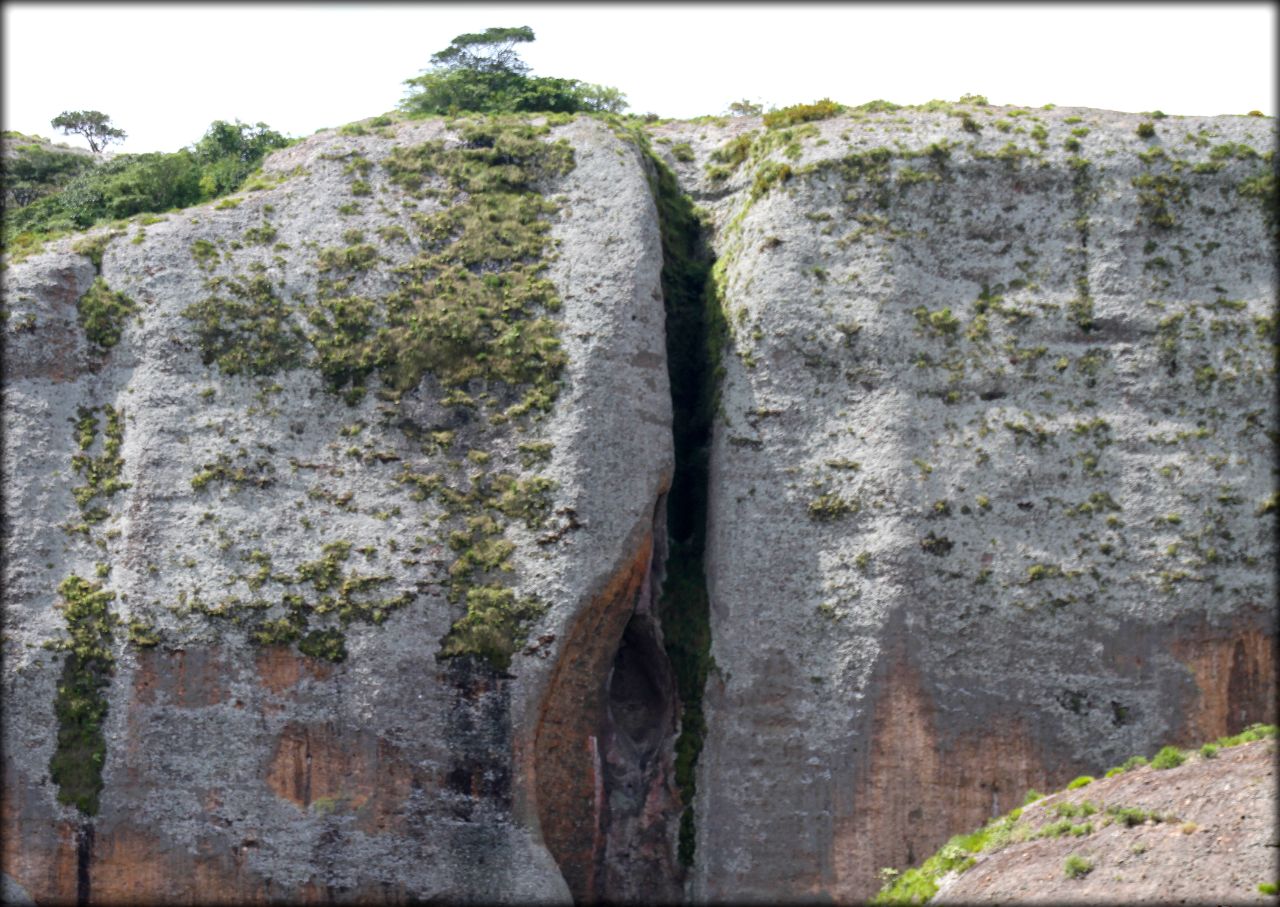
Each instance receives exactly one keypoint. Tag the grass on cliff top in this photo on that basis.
(917, 885)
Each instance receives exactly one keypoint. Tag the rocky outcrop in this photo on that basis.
(323, 601)
(1198, 832)
(993, 489)
(347, 556)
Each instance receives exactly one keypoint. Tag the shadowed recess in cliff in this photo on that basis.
(603, 751)
(695, 339)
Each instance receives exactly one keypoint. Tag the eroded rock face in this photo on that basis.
(293, 533)
(335, 524)
(993, 491)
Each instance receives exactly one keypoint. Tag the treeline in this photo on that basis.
(49, 191)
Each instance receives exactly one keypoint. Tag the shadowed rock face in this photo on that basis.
(988, 508)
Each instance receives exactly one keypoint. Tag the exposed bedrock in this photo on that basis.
(436, 521)
(993, 482)
(284, 593)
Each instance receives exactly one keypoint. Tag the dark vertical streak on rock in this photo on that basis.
(84, 859)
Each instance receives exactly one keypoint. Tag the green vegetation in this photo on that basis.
(482, 72)
(244, 329)
(828, 507)
(824, 109)
(102, 313)
(81, 703)
(1131, 816)
(34, 169)
(471, 306)
(917, 885)
(1077, 867)
(132, 184)
(1168, 757)
(94, 125)
(101, 473)
(1082, 781)
(226, 470)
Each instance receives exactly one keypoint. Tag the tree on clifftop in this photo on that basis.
(94, 125)
(492, 50)
(482, 72)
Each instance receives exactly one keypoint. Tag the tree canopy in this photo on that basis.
(94, 125)
(59, 191)
(492, 50)
(482, 72)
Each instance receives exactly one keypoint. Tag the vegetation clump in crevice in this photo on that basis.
(245, 328)
(81, 704)
(336, 593)
(101, 473)
(102, 313)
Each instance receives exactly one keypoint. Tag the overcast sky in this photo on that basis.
(164, 72)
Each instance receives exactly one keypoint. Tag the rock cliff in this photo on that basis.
(992, 488)
(355, 533)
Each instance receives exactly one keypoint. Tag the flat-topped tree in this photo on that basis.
(492, 50)
(94, 125)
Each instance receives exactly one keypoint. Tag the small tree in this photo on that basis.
(745, 108)
(492, 50)
(94, 125)
(483, 72)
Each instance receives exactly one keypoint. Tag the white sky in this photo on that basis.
(164, 72)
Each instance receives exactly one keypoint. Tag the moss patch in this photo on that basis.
(81, 703)
(102, 313)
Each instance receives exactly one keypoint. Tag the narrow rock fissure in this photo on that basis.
(694, 338)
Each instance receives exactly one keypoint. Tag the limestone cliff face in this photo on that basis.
(992, 495)
(294, 534)
(335, 513)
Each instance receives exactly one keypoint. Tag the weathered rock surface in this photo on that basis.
(237, 771)
(991, 505)
(989, 496)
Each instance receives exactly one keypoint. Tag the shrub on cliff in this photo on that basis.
(824, 109)
(482, 72)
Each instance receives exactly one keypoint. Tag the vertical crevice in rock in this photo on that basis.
(621, 725)
(695, 331)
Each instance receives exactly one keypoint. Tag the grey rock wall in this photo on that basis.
(992, 504)
(240, 771)
(993, 482)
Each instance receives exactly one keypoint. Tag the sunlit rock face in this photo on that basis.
(340, 528)
(993, 486)
(358, 448)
